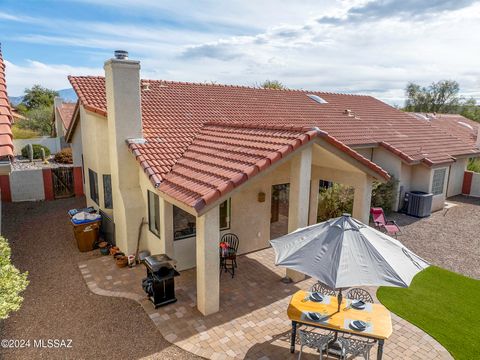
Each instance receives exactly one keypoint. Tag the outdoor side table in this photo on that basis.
(376, 314)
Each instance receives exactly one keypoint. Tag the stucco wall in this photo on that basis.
(52, 143)
(76, 144)
(94, 142)
(27, 185)
(455, 180)
(475, 186)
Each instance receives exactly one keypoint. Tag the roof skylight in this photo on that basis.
(317, 98)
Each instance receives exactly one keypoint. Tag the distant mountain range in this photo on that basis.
(68, 95)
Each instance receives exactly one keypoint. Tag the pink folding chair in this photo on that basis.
(388, 226)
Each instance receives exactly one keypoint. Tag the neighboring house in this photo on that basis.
(62, 117)
(198, 160)
(6, 137)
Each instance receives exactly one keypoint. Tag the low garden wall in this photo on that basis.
(52, 143)
(471, 183)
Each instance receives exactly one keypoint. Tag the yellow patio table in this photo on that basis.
(376, 315)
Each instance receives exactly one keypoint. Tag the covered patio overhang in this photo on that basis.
(301, 169)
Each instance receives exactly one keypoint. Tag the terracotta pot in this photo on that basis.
(121, 261)
(104, 251)
(114, 250)
(103, 245)
(117, 255)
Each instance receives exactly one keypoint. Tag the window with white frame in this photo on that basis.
(184, 224)
(438, 181)
(153, 213)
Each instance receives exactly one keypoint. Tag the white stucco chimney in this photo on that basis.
(122, 84)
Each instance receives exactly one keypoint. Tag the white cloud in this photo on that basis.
(52, 76)
(377, 56)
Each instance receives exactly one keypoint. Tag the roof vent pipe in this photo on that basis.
(121, 54)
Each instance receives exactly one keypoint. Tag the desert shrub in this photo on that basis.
(37, 151)
(335, 201)
(21, 133)
(64, 156)
(384, 194)
(474, 165)
(338, 199)
(12, 282)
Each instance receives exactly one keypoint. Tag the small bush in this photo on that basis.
(384, 194)
(335, 201)
(37, 151)
(474, 165)
(20, 133)
(64, 156)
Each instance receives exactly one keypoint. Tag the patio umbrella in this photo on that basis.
(343, 252)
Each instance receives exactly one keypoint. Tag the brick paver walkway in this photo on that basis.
(252, 322)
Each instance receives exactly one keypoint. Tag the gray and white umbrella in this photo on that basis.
(343, 252)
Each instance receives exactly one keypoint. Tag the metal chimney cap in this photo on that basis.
(121, 54)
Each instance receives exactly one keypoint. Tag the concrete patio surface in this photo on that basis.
(252, 322)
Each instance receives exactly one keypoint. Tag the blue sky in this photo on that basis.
(369, 47)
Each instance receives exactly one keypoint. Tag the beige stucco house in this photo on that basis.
(194, 161)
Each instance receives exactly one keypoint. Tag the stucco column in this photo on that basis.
(362, 199)
(208, 262)
(300, 173)
(314, 189)
(166, 228)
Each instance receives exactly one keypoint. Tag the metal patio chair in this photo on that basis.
(231, 253)
(359, 294)
(315, 341)
(322, 289)
(352, 347)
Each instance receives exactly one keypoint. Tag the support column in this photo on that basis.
(166, 228)
(362, 199)
(300, 174)
(314, 193)
(208, 262)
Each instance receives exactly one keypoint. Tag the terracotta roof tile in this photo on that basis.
(6, 137)
(66, 111)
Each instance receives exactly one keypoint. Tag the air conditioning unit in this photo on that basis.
(418, 203)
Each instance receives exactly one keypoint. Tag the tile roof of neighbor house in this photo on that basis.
(6, 137)
(66, 111)
(174, 113)
(454, 124)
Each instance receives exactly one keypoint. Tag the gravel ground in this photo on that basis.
(58, 304)
(448, 238)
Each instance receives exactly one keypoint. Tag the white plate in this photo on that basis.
(358, 304)
(353, 326)
(311, 318)
(312, 298)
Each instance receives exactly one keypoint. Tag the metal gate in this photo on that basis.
(63, 182)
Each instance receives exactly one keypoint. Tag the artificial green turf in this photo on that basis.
(444, 304)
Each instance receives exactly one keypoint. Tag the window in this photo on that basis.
(184, 224)
(438, 181)
(153, 213)
(107, 191)
(93, 181)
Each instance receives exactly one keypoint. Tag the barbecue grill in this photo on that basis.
(159, 283)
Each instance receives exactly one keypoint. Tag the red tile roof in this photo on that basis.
(223, 156)
(66, 111)
(454, 124)
(6, 137)
(173, 113)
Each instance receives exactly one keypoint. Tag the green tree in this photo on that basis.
(439, 97)
(39, 120)
(12, 282)
(272, 84)
(471, 110)
(38, 97)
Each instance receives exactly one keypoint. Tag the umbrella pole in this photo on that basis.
(339, 299)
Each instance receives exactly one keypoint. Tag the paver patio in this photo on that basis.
(252, 322)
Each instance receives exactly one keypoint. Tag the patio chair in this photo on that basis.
(321, 288)
(388, 226)
(315, 341)
(231, 253)
(359, 294)
(351, 347)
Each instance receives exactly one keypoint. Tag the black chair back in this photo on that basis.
(231, 240)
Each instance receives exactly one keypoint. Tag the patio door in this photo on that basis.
(279, 210)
